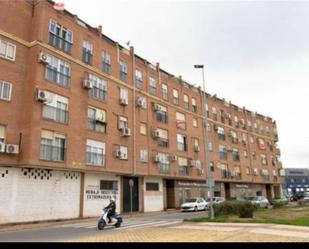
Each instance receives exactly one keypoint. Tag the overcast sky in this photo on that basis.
(256, 53)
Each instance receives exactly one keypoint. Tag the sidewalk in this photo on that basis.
(44, 224)
(208, 232)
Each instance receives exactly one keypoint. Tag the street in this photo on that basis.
(73, 231)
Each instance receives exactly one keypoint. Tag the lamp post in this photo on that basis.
(209, 180)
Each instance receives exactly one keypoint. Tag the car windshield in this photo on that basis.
(191, 200)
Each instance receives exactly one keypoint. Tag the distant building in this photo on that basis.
(296, 180)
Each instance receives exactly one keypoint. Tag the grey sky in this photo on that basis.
(256, 53)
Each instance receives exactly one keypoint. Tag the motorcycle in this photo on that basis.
(116, 220)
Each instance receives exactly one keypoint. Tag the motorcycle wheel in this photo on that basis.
(118, 224)
(101, 226)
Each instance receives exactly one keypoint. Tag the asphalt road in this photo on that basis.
(62, 232)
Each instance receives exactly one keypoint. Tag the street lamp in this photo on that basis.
(209, 180)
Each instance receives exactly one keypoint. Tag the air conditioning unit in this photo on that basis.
(42, 95)
(2, 147)
(173, 157)
(156, 107)
(43, 58)
(12, 149)
(156, 158)
(197, 148)
(140, 102)
(126, 132)
(88, 84)
(120, 155)
(123, 101)
(155, 134)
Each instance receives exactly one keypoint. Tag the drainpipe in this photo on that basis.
(249, 151)
(134, 110)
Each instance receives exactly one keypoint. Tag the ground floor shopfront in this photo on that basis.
(34, 194)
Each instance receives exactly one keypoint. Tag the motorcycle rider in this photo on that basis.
(112, 209)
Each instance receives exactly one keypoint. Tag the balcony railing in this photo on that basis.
(225, 174)
(60, 43)
(95, 159)
(266, 177)
(52, 153)
(54, 75)
(98, 93)
(138, 83)
(56, 114)
(165, 95)
(123, 76)
(164, 168)
(106, 68)
(183, 170)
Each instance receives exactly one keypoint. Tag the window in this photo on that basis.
(207, 111)
(223, 152)
(194, 107)
(229, 118)
(2, 134)
(251, 140)
(7, 50)
(5, 90)
(180, 121)
(58, 71)
(108, 185)
(255, 172)
(210, 146)
(53, 146)
(199, 168)
(124, 151)
(164, 92)
(214, 113)
(247, 171)
(152, 86)
(56, 108)
(99, 89)
(162, 114)
(256, 127)
(87, 52)
(152, 186)
(249, 125)
(263, 159)
(224, 171)
(123, 71)
(143, 129)
(267, 131)
(97, 120)
(60, 37)
(265, 174)
(212, 166)
(262, 130)
(234, 137)
(273, 161)
(183, 166)
(95, 153)
(253, 156)
(175, 97)
(245, 154)
(208, 127)
(181, 142)
(124, 96)
(236, 121)
(164, 164)
(261, 143)
(244, 138)
(138, 79)
(235, 154)
(236, 173)
(186, 101)
(221, 134)
(122, 122)
(194, 120)
(106, 62)
(144, 155)
(163, 138)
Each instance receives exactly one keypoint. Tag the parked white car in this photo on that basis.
(306, 197)
(194, 204)
(215, 200)
(260, 201)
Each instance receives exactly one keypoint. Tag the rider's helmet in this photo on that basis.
(112, 200)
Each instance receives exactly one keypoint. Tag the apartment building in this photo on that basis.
(81, 116)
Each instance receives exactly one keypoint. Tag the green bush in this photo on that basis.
(242, 208)
(278, 204)
(246, 210)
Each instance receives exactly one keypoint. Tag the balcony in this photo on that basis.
(183, 170)
(95, 159)
(225, 174)
(162, 117)
(60, 43)
(54, 75)
(162, 142)
(52, 153)
(266, 177)
(164, 168)
(56, 114)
